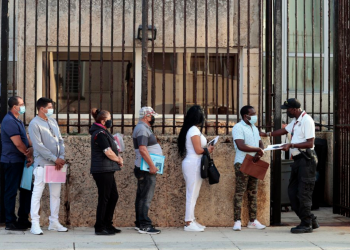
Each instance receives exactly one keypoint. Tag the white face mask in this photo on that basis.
(253, 119)
(49, 113)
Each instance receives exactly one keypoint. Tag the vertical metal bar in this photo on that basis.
(268, 74)
(90, 57)
(57, 54)
(184, 59)
(79, 66)
(304, 82)
(321, 61)
(175, 66)
(260, 69)
(206, 65)
(134, 62)
(288, 30)
(217, 70)
(195, 54)
(101, 55)
(296, 49)
(329, 63)
(111, 85)
(36, 57)
(227, 64)
(68, 68)
(25, 58)
(14, 50)
(313, 59)
(47, 84)
(163, 69)
(276, 178)
(239, 57)
(4, 58)
(144, 95)
(153, 98)
(123, 68)
(248, 55)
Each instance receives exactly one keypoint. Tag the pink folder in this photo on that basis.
(54, 176)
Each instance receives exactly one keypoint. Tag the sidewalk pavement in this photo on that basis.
(335, 238)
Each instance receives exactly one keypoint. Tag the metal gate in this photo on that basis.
(341, 192)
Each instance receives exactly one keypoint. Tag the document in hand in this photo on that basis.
(158, 161)
(51, 175)
(274, 147)
(27, 177)
(256, 169)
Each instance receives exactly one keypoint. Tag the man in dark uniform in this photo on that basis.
(303, 175)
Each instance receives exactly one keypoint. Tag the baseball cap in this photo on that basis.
(147, 111)
(291, 103)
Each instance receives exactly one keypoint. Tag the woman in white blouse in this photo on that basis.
(191, 144)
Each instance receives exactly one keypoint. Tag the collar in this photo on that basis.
(245, 124)
(301, 116)
(100, 125)
(141, 122)
(42, 118)
(14, 117)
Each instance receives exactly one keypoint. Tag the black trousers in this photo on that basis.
(301, 186)
(107, 200)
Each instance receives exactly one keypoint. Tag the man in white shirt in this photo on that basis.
(303, 175)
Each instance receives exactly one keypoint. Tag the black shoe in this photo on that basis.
(105, 232)
(301, 229)
(315, 224)
(15, 227)
(26, 224)
(113, 229)
(149, 230)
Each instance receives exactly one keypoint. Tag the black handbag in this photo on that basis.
(213, 173)
(205, 164)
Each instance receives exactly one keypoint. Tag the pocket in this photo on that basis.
(38, 175)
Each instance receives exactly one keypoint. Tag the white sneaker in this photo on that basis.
(56, 226)
(237, 226)
(199, 225)
(256, 224)
(35, 229)
(192, 227)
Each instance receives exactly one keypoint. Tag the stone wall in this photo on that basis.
(214, 206)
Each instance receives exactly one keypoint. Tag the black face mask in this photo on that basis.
(290, 115)
(108, 124)
(153, 119)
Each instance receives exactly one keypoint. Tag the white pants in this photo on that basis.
(191, 169)
(55, 193)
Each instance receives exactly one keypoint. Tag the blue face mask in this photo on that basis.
(49, 112)
(253, 119)
(22, 110)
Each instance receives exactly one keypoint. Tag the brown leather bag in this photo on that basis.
(256, 169)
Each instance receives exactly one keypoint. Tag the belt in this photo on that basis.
(297, 157)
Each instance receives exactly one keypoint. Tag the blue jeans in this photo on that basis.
(13, 175)
(146, 183)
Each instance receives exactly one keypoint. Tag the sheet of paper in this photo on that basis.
(274, 147)
(215, 140)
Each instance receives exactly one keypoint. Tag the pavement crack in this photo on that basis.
(73, 245)
(229, 239)
(154, 242)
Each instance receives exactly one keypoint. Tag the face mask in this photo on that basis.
(49, 112)
(153, 119)
(108, 124)
(22, 110)
(253, 119)
(290, 115)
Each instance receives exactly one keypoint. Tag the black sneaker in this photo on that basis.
(149, 230)
(315, 224)
(113, 229)
(15, 227)
(301, 229)
(105, 232)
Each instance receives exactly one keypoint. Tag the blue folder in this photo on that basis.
(158, 161)
(27, 177)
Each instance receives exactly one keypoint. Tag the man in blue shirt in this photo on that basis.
(15, 150)
(246, 141)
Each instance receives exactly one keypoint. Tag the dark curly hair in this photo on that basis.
(194, 117)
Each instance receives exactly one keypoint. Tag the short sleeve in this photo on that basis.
(237, 133)
(289, 127)
(102, 141)
(11, 128)
(309, 128)
(194, 131)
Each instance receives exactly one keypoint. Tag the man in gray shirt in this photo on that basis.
(145, 142)
(48, 149)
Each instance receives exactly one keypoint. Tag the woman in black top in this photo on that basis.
(104, 162)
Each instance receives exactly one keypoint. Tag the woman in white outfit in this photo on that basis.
(191, 143)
